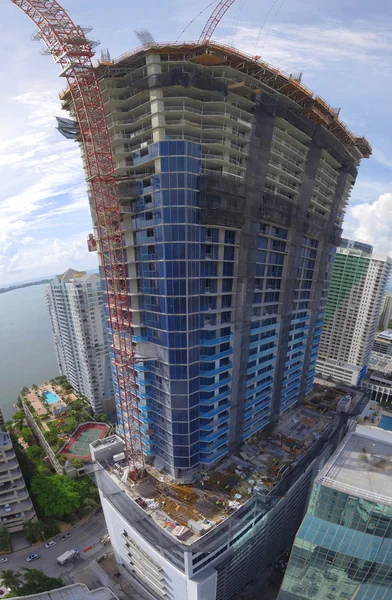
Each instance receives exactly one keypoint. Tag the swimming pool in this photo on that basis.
(385, 423)
(50, 397)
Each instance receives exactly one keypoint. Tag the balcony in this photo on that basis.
(215, 411)
(214, 357)
(300, 151)
(214, 399)
(204, 373)
(264, 399)
(265, 328)
(267, 363)
(214, 457)
(215, 341)
(283, 181)
(255, 425)
(264, 386)
(215, 385)
(209, 427)
(279, 167)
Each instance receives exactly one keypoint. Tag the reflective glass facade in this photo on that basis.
(342, 550)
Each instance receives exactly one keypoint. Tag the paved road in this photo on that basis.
(83, 535)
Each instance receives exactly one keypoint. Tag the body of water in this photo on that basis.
(27, 353)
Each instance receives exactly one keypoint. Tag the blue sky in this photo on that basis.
(343, 48)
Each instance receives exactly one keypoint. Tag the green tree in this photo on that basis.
(69, 425)
(61, 458)
(52, 438)
(4, 539)
(56, 495)
(27, 435)
(34, 531)
(11, 580)
(40, 530)
(18, 419)
(35, 453)
(87, 489)
(77, 463)
(36, 582)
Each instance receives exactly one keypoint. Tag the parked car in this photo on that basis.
(32, 557)
(3, 559)
(7, 508)
(50, 544)
(65, 537)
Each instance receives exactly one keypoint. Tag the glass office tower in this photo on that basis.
(233, 180)
(343, 549)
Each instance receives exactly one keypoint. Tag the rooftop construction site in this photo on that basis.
(191, 508)
(257, 76)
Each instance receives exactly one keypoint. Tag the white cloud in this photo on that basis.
(24, 259)
(372, 223)
(41, 184)
(317, 46)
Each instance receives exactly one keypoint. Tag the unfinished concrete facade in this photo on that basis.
(233, 181)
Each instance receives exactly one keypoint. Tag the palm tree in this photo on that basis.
(10, 579)
(34, 530)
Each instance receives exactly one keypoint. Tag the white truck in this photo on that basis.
(67, 556)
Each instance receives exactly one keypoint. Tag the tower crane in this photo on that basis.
(217, 14)
(73, 52)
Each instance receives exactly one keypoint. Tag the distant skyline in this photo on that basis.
(343, 49)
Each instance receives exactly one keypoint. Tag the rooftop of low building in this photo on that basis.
(77, 591)
(380, 363)
(385, 335)
(362, 465)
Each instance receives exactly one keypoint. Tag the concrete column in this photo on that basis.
(297, 232)
(258, 159)
(153, 63)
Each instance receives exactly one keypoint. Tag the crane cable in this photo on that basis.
(235, 23)
(194, 19)
(263, 24)
(272, 22)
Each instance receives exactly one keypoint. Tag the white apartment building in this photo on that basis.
(386, 312)
(383, 343)
(75, 303)
(357, 288)
(15, 503)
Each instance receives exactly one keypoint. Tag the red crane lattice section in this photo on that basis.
(70, 48)
(212, 23)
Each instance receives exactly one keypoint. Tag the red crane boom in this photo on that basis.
(212, 23)
(70, 48)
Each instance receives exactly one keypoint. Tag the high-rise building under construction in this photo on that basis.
(233, 182)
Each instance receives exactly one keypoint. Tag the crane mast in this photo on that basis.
(73, 51)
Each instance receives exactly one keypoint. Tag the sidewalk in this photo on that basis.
(101, 575)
